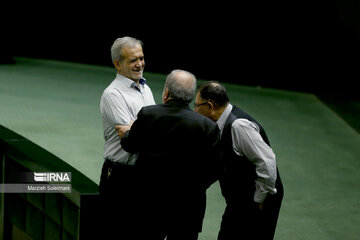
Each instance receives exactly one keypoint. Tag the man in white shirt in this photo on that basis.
(251, 183)
(120, 103)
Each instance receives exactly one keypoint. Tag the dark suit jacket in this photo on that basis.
(179, 158)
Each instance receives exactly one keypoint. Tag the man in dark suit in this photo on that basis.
(250, 184)
(178, 159)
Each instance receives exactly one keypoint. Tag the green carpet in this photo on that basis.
(56, 105)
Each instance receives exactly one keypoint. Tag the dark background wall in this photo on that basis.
(307, 46)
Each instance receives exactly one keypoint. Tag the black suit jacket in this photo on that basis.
(179, 158)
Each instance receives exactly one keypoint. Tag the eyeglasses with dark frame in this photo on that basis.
(198, 105)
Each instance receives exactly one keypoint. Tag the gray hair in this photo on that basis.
(119, 43)
(181, 85)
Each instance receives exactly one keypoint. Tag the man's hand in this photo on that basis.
(122, 129)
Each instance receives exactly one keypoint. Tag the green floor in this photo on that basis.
(56, 105)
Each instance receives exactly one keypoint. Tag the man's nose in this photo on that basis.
(139, 63)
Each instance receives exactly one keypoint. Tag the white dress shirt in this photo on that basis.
(246, 140)
(120, 103)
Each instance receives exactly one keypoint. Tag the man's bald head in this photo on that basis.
(181, 85)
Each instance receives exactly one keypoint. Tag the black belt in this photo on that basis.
(117, 167)
(117, 164)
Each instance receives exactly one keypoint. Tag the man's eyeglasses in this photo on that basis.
(198, 105)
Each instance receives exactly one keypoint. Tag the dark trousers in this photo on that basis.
(130, 211)
(182, 236)
(118, 206)
(247, 222)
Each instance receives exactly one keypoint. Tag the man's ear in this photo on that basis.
(211, 106)
(165, 95)
(117, 65)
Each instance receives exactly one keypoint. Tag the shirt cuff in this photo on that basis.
(260, 196)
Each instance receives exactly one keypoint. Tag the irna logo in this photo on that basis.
(52, 177)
